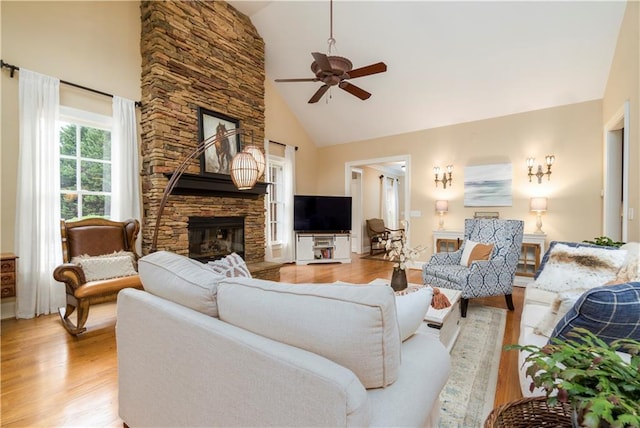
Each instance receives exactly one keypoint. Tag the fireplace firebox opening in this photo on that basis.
(213, 238)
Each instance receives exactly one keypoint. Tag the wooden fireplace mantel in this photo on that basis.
(214, 185)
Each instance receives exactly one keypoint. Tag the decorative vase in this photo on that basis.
(398, 279)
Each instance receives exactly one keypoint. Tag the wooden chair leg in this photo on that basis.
(464, 304)
(83, 314)
(509, 300)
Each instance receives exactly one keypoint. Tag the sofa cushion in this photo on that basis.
(567, 267)
(230, 266)
(475, 251)
(412, 305)
(180, 279)
(610, 312)
(354, 326)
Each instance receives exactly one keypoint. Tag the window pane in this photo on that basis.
(96, 205)
(96, 176)
(68, 139)
(95, 143)
(69, 206)
(68, 174)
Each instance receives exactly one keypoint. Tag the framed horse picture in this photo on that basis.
(217, 158)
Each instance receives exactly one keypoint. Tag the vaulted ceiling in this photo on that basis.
(448, 61)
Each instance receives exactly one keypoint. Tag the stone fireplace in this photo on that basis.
(212, 238)
(197, 54)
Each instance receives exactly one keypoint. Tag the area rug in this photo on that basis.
(467, 398)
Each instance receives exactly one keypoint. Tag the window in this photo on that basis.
(85, 164)
(275, 198)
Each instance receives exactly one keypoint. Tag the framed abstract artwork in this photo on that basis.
(217, 158)
(488, 185)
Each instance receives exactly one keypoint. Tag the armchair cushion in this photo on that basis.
(352, 325)
(181, 280)
(610, 312)
(475, 251)
(107, 266)
(569, 267)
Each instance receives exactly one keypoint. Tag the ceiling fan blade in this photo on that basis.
(319, 93)
(310, 79)
(322, 61)
(379, 67)
(354, 90)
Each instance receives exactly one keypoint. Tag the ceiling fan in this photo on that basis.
(336, 70)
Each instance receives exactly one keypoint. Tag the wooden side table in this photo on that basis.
(8, 270)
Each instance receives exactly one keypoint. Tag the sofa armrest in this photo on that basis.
(446, 258)
(179, 367)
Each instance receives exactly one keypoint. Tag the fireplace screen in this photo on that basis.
(212, 238)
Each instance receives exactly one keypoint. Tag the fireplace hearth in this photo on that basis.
(212, 238)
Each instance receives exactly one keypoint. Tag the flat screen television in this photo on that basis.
(329, 214)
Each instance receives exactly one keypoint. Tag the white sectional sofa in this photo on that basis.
(569, 291)
(269, 354)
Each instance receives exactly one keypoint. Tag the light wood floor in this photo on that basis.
(50, 378)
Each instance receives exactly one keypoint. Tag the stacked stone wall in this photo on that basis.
(196, 54)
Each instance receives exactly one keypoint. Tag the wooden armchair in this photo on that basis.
(378, 235)
(92, 237)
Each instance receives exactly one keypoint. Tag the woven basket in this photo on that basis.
(530, 412)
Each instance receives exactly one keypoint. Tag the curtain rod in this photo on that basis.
(13, 68)
(281, 144)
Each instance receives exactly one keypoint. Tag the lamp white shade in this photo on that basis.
(538, 204)
(442, 206)
(258, 156)
(244, 171)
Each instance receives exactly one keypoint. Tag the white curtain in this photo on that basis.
(389, 201)
(393, 204)
(125, 169)
(289, 178)
(268, 254)
(38, 237)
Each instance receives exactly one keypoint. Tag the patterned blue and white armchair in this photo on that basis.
(492, 277)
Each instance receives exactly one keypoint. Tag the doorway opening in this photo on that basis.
(615, 203)
(364, 184)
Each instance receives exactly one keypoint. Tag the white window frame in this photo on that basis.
(69, 115)
(276, 182)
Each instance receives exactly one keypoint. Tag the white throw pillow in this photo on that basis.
(475, 251)
(352, 325)
(107, 266)
(558, 309)
(411, 307)
(180, 279)
(569, 268)
(230, 266)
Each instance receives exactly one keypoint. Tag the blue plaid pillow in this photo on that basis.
(610, 312)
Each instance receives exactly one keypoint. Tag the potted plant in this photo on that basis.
(401, 255)
(603, 388)
(604, 241)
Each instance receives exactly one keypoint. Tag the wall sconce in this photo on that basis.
(441, 208)
(446, 176)
(549, 159)
(538, 205)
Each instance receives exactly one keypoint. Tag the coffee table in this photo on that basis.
(442, 323)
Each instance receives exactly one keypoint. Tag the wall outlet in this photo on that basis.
(416, 213)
